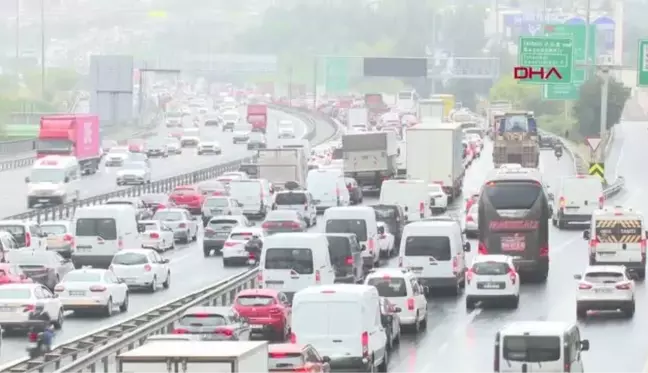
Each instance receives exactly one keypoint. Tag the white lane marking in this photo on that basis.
(618, 161)
(557, 249)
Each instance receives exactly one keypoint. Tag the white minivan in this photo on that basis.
(539, 346)
(254, 194)
(53, 179)
(577, 199)
(343, 322)
(413, 195)
(103, 230)
(361, 221)
(291, 262)
(328, 187)
(434, 251)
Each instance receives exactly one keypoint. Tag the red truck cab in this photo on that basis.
(257, 116)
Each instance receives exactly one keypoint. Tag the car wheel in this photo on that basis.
(167, 283)
(124, 306)
(153, 287)
(195, 236)
(108, 309)
(58, 324)
(383, 366)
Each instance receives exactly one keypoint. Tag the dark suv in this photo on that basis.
(346, 257)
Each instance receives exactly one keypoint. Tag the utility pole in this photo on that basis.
(588, 16)
(17, 33)
(42, 17)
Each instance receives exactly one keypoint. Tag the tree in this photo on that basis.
(587, 109)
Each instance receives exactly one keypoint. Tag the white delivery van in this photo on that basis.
(539, 346)
(328, 187)
(434, 251)
(103, 230)
(577, 199)
(53, 179)
(294, 261)
(342, 322)
(413, 195)
(361, 221)
(254, 194)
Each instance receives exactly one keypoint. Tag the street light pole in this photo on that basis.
(42, 16)
(588, 16)
(605, 74)
(17, 32)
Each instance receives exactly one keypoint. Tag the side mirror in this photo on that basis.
(141, 228)
(165, 261)
(584, 345)
(578, 277)
(327, 359)
(467, 247)
(27, 179)
(397, 309)
(586, 234)
(632, 274)
(363, 248)
(406, 209)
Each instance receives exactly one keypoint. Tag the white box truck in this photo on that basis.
(357, 117)
(195, 356)
(435, 155)
(370, 157)
(431, 111)
(280, 166)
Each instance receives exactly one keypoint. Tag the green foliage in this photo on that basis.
(524, 97)
(587, 109)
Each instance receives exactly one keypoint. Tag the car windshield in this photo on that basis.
(355, 226)
(54, 229)
(437, 247)
(134, 165)
(298, 260)
(130, 259)
(385, 212)
(82, 277)
(151, 226)
(532, 349)
(47, 175)
(91, 227)
(8, 293)
(203, 319)
(490, 268)
(241, 236)
(28, 258)
(216, 202)
(282, 215)
(223, 225)
(119, 150)
(604, 277)
(290, 198)
(389, 286)
(255, 300)
(168, 215)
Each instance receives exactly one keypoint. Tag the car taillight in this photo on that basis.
(482, 249)
(469, 275)
(225, 332)
(455, 265)
(147, 268)
(318, 277)
(512, 275)
(32, 336)
(182, 225)
(27, 239)
(469, 218)
(410, 304)
(120, 243)
(180, 331)
(562, 202)
(364, 340)
(584, 286)
(68, 238)
(422, 209)
(290, 224)
(544, 251)
(267, 225)
(28, 307)
(400, 261)
(229, 243)
(349, 260)
(209, 232)
(623, 286)
(601, 201)
(154, 235)
(293, 338)
(97, 288)
(59, 288)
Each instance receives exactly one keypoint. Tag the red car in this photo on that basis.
(12, 274)
(189, 197)
(267, 310)
(136, 147)
(291, 357)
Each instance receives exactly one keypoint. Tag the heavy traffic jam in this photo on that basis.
(351, 238)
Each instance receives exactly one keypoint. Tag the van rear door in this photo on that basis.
(288, 269)
(96, 236)
(249, 193)
(429, 256)
(618, 239)
(531, 353)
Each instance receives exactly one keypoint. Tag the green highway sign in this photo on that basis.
(547, 53)
(642, 67)
(337, 74)
(578, 35)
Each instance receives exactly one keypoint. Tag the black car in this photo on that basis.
(546, 141)
(355, 191)
(229, 126)
(346, 256)
(394, 217)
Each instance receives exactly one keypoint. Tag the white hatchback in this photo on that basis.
(92, 289)
(141, 268)
(156, 236)
(608, 288)
(492, 277)
(234, 247)
(471, 221)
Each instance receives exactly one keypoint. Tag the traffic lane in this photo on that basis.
(453, 333)
(614, 155)
(629, 148)
(190, 271)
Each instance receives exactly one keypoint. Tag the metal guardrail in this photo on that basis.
(101, 346)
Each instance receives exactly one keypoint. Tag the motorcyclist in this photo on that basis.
(253, 247)
(558, 150)
(42, 324)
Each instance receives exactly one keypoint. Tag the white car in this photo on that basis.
(141, 268)
(286, 133)
(134, 173)
(92, 289)
(156, 236)
(233, 175)
(17, 302)
(438, 198)
(117, 156)
(173, 146)
(209, 147)
(471, 223)
(606, 287)
(240, 137)
(60, 237)
(174, 121)
(190, 137)
(234, 247)
(180, 221)
(400, 286)
(492, 278)
(385, 241)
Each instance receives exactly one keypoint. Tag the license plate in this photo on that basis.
(43, 200)
(490, 286)
(84, 248)
(129, 280)
(183, 206)
(7, 309)
(77, 293)
(256, 327)
(209, 336)
(602, 290)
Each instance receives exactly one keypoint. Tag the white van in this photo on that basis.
(434, 251)
(342, 322)
(361, 221)
(328, 187)
(291, 262)
(411, 194)
(254, 194)
(103, 230)
(539, 346)
(577, 199)
(53, 179)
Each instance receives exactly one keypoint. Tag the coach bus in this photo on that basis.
(513, 219)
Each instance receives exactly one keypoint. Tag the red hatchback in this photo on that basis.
(12, 274)
(188, 197)
(268, 312)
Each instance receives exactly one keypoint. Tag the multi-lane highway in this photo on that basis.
(189, 269)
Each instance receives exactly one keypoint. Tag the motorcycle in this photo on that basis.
(35, 346)
(558, 153)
